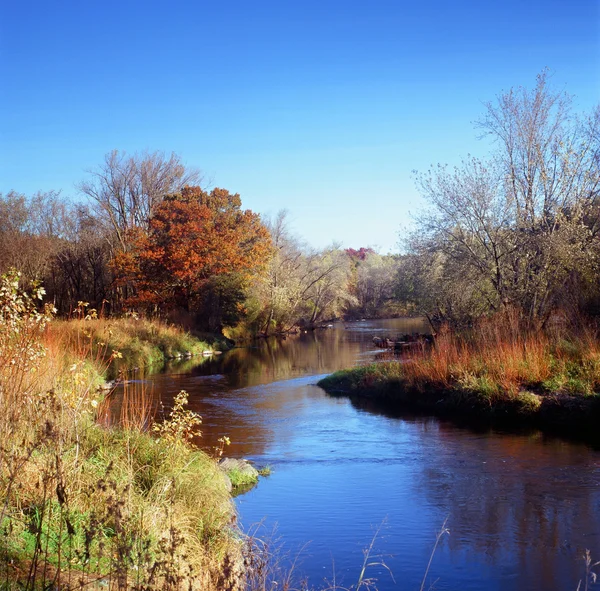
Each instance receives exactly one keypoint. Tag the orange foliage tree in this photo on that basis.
(193, 237)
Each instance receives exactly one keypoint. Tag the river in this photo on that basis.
(521, 508)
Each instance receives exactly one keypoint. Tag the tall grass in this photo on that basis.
(498, 369)
(123, 342)
(87, 504)
(496, 360)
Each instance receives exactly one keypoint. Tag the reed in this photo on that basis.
(497, 370)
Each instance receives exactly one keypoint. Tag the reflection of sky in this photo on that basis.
(521, 508)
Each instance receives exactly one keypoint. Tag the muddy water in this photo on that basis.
(521, 508)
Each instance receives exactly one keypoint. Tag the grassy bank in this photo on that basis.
(125, 343)
(550, 382)
(85, 505)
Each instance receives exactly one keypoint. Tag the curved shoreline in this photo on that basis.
(573, 416)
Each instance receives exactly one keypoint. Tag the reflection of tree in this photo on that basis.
(269, 360)
(226, 389)
(120, 367)
(522, 503)
(515, 499)
(231, 391)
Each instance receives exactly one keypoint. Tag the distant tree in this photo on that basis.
(58, 243)
(32, 229)
(375, 282)
(80, 268)
(328, 295)
(279, 293)
(360, 254)
(302, 285)
(125, 190)
(193, 237)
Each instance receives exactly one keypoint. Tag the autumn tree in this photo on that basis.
(194, 239)
(439, 286)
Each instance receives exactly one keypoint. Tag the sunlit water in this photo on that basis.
(521, 509)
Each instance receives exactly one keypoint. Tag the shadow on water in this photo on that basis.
(482, 425)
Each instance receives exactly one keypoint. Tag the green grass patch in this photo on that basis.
(240, 478)
(265, 471)
(370, 377)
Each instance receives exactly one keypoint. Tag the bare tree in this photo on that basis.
(471, 223)
(547, 154)
(521, 224)
(126, 189)
(32, 229)
(301, 283)
(277, 291)
(327, 290)
(80, 269)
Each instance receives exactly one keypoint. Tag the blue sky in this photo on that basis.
(322, 108)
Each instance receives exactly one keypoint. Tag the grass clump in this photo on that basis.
(377, 378)
(241, 478)
(86, 505)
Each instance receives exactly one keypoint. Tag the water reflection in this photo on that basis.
(521, 500)
(229, 391)
(522, 508)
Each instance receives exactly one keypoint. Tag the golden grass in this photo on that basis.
(496, 362)
(122, 342)
(86, 502)
(507, 366)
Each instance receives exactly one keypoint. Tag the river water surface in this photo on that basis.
(521, 508)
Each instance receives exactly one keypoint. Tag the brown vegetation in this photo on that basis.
(86, 505)
(497, 370)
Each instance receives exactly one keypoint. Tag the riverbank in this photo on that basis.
(119, 344)
(97, 504)
(552, 384)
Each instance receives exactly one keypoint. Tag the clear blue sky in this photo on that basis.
(323, 108)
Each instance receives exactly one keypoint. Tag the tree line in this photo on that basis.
(516, 230)
(146, 237)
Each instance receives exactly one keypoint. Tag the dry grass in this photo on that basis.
(87, 505)
(503, 363)
(122, 342)
(497, 369)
